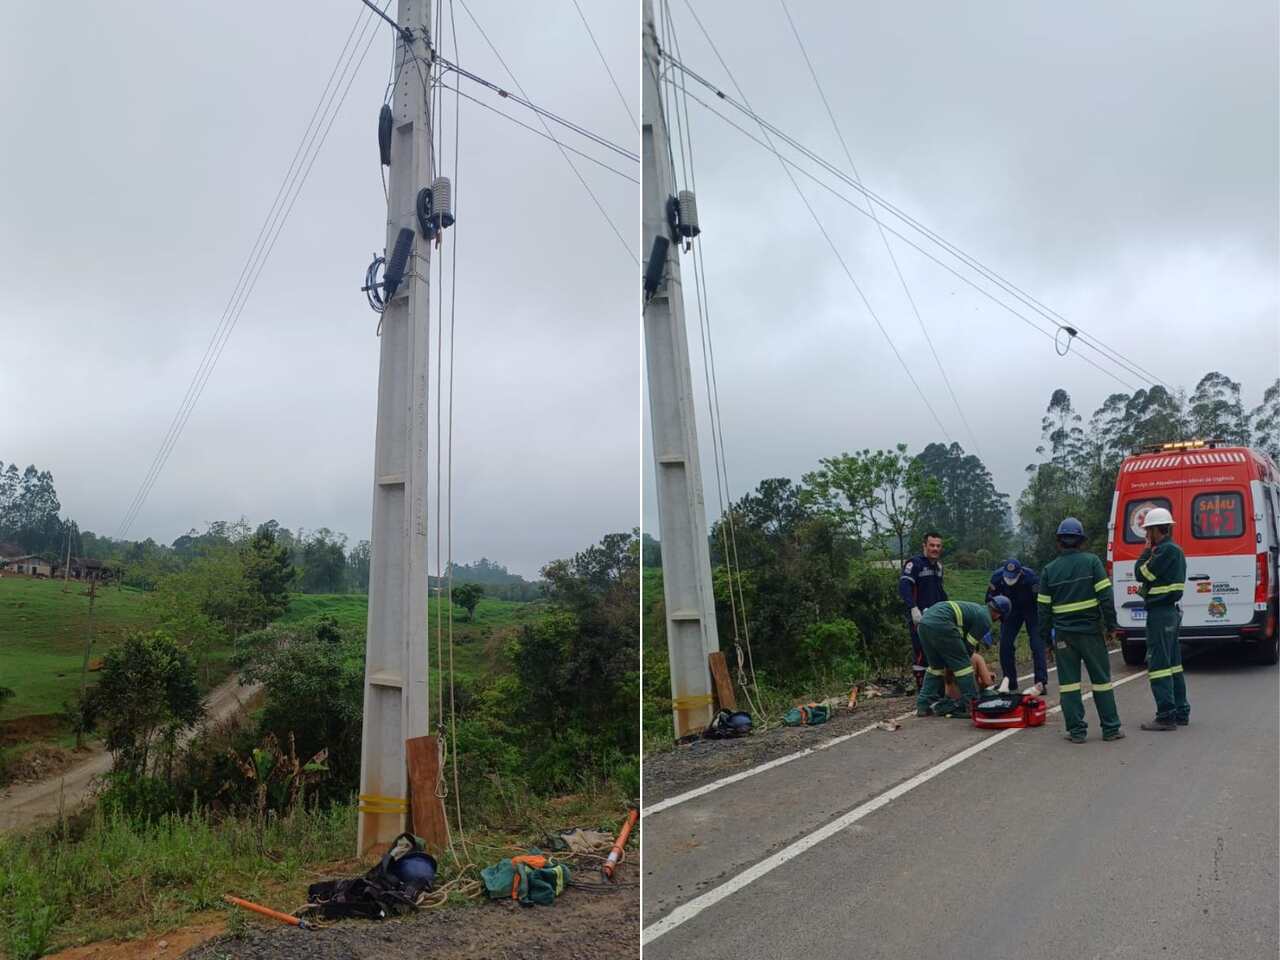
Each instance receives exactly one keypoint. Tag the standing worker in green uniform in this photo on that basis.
(949, 635)
(1162, 570)
(1076, 603)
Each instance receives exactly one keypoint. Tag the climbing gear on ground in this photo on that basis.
(391, 888)
(727, 725)
(809, 715)
(531, 878)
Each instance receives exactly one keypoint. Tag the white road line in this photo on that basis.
(706, 788)
(687, 911)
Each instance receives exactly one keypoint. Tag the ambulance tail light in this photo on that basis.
(1261, 580)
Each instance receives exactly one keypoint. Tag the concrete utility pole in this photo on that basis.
(682, 519)
(395, 685)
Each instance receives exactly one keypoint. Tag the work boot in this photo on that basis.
(1181, 722)
(1158, 724)
(950, 708)
(1113, 735)
(924, 712)
(1074, 737)
(1035, 690)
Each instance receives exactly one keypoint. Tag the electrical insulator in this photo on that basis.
(441, 203)
(687, 214)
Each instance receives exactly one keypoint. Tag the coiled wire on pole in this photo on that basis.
(373, 286)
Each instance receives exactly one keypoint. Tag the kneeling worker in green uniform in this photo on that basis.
(949, 632)
(1076, 600)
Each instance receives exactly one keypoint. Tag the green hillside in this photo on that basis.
(42, 637)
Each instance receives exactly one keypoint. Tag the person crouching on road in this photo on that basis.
(920, 587)
(1162, 570)
(1019, 584)
(1076, 605)
(949, 633)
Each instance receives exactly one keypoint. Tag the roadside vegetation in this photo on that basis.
(541, 710)
(808, 569)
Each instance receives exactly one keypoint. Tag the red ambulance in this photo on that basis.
(1225, 502)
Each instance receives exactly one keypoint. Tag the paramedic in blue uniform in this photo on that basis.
(1020, 584)
(920, 587)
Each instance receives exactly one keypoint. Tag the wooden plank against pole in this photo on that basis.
(723, 685)
(423, 759)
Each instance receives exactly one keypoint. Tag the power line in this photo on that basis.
(537, 132)
(1113, 356)
(564, 153)
(908, 241)
(540, 111)
(295, 178)
(136, 503)
(605, 63)
(888, 247)
(826, 235)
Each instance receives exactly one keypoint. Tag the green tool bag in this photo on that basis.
(810, 715)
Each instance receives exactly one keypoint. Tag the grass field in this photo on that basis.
(43, 632)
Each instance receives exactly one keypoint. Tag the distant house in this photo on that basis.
(84, 568)
(27, 565)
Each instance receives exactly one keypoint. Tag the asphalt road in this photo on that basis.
(1162, 845)
(24, 805)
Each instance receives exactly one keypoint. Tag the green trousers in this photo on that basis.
(944, 649)
(1164, 664)
(1090, 649)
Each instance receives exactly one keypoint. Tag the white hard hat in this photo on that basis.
(1157, 517)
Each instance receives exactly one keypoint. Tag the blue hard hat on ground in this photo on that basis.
(1071, 527)
(1011, 570)
(1003, 604)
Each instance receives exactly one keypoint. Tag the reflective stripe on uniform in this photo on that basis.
(1073, 607)
(1146, 572)
(935, 672)
(1043, 598)
(1160, 674)
(1101, 687)
(965, 671)
(1177, 669)
(1167, 588)
(955, 608)
(1102, 584)
(1069, 688)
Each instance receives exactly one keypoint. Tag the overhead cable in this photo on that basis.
(543, 120)
(1130, 366)
(884, 239)
(605, 63)
(907, 240)
(291, 185)
(827, 236)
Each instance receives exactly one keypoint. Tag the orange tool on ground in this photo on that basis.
(616, 853)
(268, 912)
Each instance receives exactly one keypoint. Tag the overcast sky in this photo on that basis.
(1117, 161)
(144, 143)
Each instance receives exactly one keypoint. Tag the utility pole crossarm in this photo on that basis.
(686, 563)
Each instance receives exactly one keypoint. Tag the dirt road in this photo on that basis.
(25, 804)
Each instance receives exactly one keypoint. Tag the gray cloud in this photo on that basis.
(145, 143)
(1118, 162)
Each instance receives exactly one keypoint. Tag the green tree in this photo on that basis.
(358, 567)
(468, 596)
(146, 695)
(972, 515)
(268, 570)
(877, 496)
(1216, 410)
(1264, 422)
(324, 562)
